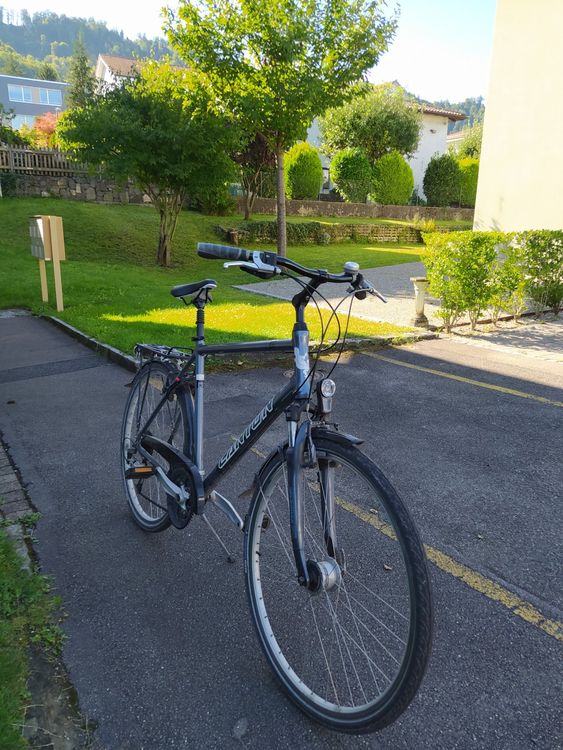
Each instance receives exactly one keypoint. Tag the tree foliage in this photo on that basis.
(277, 66)
(81, 77)
(352, 172)
(378, 121)
(303, 173)
(393, 180)
(255, 159)
(471, 144)
(442, 181)
(158, 130)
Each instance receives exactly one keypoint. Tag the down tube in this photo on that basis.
(250, 435)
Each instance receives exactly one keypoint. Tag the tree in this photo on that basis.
(81, 77)
(351, 171)
(158, 130)
(471, 144)
(393, 180)
(442, 181)
(378, 120)
(43, 131)
(277, 66)
(304, 172)
(255, 159)
(48, 72)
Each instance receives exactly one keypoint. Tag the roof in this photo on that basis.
(457, 135)
(34, 80)
(450, 114)
(120, 66)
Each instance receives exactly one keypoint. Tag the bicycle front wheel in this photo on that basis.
(146, 496)
(352, 657)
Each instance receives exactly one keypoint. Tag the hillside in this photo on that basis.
(26, 41)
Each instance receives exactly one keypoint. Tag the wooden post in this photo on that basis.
(44, 287)
(58, 249)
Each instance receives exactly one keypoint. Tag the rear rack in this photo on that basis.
(177, 355)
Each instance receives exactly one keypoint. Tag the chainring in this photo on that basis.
(180, 516)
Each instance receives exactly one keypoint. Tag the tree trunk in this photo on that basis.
(168, 210)
(280, 194)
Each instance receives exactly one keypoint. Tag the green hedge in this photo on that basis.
(442, 181)
(472, 271)
(468, 173)
(393, 180)
(303, 172)
(351, 170)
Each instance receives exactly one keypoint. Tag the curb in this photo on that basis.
(105, 350)
(112, 354)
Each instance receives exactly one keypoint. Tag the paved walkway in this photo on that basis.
(160, 645)
(392, 281)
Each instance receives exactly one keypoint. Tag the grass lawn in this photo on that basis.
(114, 292)
(25, 617)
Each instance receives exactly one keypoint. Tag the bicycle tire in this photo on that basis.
(303, 653)
(146, 497)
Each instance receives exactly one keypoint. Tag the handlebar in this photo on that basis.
(266, 264)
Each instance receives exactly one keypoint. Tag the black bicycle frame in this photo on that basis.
(292, 400)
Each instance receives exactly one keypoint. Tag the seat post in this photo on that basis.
(199, 303)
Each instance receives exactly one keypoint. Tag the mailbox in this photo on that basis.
(47, 243)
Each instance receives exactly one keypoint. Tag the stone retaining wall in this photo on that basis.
(366, 210)
(78, 187)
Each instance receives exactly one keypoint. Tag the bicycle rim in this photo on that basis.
(351, 657)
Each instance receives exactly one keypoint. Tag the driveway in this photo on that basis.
(160, 644)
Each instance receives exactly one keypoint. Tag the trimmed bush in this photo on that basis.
(393, 180)
(303, 172)
(8, 184)
(542, 252)
(468, 173)
(351, 171)
(442, 181)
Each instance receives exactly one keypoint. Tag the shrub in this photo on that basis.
(507, 283)
(442, 181)
(542, 252)
(393, 180)
(351, 171)
(303, 172)
(298, 233)
(468, 173)
(459, 267)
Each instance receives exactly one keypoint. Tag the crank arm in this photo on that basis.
(172, 488)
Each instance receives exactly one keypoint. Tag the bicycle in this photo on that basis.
(335, 572)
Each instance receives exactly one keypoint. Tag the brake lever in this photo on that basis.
(378, 295)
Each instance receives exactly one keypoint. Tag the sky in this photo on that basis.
(441, 50)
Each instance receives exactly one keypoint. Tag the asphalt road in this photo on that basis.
(160, 644)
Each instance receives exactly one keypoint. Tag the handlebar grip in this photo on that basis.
(222, 252)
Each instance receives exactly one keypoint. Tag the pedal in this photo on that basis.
(139, 472)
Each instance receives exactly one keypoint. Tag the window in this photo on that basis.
(19, 93)
(20, 120)
(51, 96)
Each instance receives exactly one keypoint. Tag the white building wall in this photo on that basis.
(521, 171)
(433, 132)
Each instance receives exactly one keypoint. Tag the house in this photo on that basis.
(454, 140)
(28, 98)
(112, 71)
(521, 167)
(433, 140)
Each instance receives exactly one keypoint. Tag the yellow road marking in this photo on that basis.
(468, 381)
(474, 580)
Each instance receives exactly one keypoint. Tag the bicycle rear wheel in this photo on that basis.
(351, 657)
(146, 496)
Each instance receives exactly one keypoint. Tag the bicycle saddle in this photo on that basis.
(183, 290)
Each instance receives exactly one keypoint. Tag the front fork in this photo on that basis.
(301, 454)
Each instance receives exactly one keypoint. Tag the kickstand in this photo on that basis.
(230, 557)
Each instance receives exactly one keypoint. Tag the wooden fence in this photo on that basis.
(40, 162)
